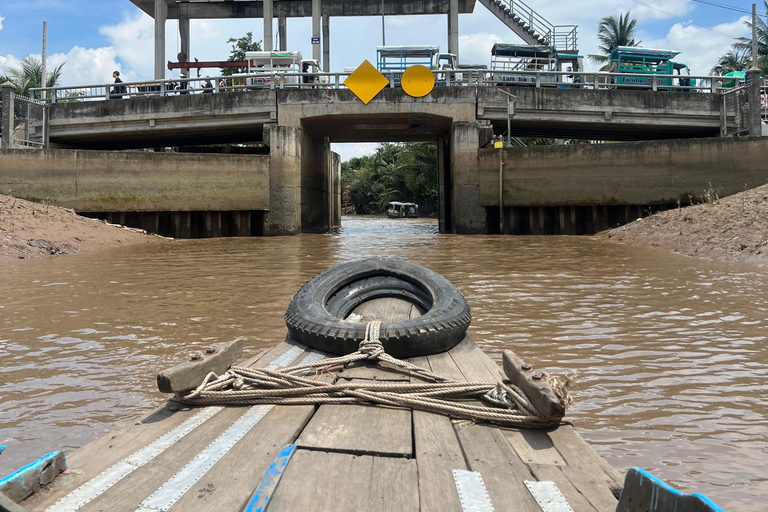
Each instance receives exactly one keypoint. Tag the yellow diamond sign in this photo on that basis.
(366, 82)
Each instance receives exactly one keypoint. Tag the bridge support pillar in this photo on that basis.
(453, 28)
(161, 13)
(467, 214)
(184, 38)
(268, 20)
(284, 215)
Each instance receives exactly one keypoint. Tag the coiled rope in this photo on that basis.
(288, 386)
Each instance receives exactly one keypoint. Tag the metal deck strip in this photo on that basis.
(548, 496)
(271, 479)
(472, 492)
(170, 492)
(99, 484)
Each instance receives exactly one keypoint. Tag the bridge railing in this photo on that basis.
(443, 78)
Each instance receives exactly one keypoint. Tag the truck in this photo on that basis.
(518, 64)
(392, 61)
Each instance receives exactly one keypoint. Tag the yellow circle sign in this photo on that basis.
(418, 81)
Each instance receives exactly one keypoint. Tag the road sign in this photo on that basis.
(366, 82)
(315, 40)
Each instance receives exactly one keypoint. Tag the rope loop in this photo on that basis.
(506, 405)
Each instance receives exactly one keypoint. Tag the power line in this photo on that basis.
(721, 6)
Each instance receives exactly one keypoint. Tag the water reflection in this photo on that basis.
(668, 352)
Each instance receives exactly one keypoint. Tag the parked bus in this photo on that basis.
(517, 64)
(644, 62)
(396, 59)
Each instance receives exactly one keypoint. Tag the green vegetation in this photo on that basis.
(395, 172)
(739, 57)
(239, 47)
(612, 33)
(29, 75)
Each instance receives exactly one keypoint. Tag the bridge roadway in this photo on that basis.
(194, 119)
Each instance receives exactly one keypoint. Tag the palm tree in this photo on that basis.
(735, 60)
(744, 44)
(612, 33)
(29, 75)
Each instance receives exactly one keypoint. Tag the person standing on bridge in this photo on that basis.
(118, 90)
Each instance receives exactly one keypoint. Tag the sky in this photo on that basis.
(95, 37)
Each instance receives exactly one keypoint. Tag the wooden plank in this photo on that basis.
(8, 505)
(188, 375)
(372, 371)
(336, 482)
(571, 493)
(386, 310)
(359, 429)
(271, 479)
(489, 453)
(96, 457)
(534, 446)
(438, 452)
(443, 364)
(229, 484)
(473, 363)
(578, 454)
(592, 487)
(541, 395)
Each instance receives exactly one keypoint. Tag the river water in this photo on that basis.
(668, 353)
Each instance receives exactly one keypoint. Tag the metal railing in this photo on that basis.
(735, 100)
(30, 124)
(443, 78)
(562, 37)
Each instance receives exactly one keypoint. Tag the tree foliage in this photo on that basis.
(734, 60)
(744, 44)
(239, 47)
(29, 75)
(395, 172)
(612, 33)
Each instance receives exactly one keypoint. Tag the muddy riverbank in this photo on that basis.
(732, 229)
(32, 230)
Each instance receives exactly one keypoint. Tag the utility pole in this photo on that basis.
(755, 87)
(43, 82)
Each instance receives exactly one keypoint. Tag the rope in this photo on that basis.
(507, 404)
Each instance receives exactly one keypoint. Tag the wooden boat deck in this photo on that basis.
(347, 457)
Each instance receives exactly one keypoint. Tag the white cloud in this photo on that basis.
(354, 150)
(476, 48)
(700, 47)
(1, 22)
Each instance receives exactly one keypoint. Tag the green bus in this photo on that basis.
(645, 62)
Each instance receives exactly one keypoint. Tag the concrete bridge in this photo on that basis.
(291, 184)
(607, 114)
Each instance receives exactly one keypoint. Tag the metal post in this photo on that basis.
(453, 28)
(184, 37)
(8, 90)
(753, 80)
(326, 43)
(43, 81)
(383, 29)
(161, 13)
(316, 30)
(282, 32)
(501, 191)
(268, 17)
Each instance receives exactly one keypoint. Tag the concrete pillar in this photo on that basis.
(268, 17)
(453, 28)
(316, 30)
(755, 125)
(8, 91)
(467, 215)
(284, 215)
(184, 37)
(282, 32)
(326, 43)
(161, 13)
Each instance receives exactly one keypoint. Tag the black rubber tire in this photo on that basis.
(315, 314)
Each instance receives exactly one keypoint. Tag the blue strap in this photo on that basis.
(271, 479)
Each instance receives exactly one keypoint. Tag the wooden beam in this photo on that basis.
(187, 376)
(539, 392)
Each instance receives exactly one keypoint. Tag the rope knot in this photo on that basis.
(371, 346)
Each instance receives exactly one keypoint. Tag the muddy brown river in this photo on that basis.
(668, 353)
